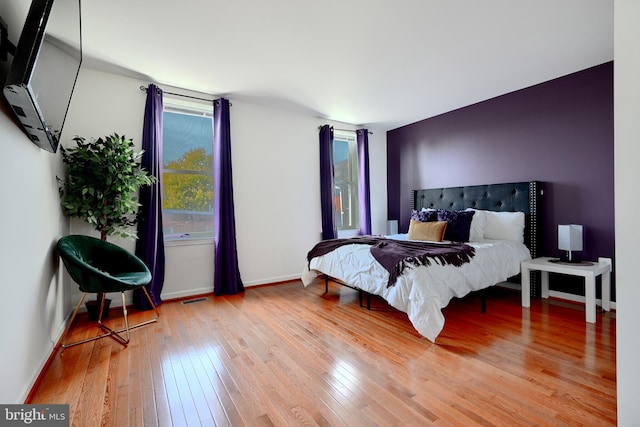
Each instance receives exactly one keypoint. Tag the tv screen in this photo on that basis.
(45, 68)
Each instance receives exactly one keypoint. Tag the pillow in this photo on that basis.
(504, 226)
(432, 231)
(478, 224)
(459, 224)
(424, 215)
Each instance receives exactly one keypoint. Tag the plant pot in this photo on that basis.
(93, 309)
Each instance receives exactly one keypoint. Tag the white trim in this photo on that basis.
(189, 242)
(166, 296)
(209, 289)
(576, 298)
(272, 280)
(558, 295)
(177, 104)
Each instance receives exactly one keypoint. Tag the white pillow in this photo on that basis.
(478, 225)
(504, 226)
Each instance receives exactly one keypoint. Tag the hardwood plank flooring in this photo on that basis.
(289, 355)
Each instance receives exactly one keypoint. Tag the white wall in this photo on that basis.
(275, 176)
(627, 204)
(34, 298)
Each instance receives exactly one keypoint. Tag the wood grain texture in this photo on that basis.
(289, 355)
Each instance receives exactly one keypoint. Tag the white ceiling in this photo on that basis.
(365, 62)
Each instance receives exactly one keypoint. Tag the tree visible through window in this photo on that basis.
(187, 198)
(345, 166)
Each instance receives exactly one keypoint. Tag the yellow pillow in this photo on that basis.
(432, 231)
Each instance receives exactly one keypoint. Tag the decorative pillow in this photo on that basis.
(505, 226)
(424, 215)
(432, 231)
(478, 224)
(459, 224)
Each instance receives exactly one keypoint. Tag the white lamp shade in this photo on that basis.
(392, 226)
(570, 237)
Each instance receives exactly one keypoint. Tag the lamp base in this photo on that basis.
(566, 261)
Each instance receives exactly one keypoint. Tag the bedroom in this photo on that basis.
(110, 95)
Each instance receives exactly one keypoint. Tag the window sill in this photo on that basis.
(347, 233)
(189, 242)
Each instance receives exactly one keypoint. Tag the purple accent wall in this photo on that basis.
(559, 132)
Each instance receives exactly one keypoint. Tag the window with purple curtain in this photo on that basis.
(227, 273)
(150, 243)
(327, 202)
(363, 181)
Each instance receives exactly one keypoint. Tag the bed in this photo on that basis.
(503, 233)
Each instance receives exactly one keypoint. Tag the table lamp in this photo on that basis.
(570, 239)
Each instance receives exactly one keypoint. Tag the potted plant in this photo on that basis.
(104, 176)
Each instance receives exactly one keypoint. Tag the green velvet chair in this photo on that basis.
(100, 267)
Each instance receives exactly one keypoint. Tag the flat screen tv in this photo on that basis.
(45, 68)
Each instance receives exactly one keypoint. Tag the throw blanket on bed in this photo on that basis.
(396, 255)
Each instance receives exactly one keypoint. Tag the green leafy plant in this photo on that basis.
(104, 175)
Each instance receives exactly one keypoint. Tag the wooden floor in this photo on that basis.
(288, 355)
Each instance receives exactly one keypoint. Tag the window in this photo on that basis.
(345, 166)
(187, 187)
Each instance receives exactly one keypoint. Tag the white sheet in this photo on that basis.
(422, 292)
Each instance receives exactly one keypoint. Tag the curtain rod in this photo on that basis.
(348, 130)
(144, 89)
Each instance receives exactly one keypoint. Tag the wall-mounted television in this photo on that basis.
(45, 68)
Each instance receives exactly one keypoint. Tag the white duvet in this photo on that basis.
(421, 292)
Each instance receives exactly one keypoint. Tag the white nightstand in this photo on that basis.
(589, 272)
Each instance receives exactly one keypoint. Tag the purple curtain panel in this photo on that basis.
(150, 243)
(327, 204)
(227, 273)
(364, 200)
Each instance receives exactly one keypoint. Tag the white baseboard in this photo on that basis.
(187, 293)
(209, 289)
(515, 286)
(558, 294)
(576, 298)
(270, 280)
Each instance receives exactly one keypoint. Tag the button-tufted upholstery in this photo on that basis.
(509, 197)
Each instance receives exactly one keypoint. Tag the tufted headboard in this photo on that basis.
(510, 197)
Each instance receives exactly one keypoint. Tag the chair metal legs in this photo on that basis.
(115, 334)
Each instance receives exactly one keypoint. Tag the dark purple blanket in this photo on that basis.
(396, 255)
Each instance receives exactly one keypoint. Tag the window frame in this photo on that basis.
(353, 196)
(199, 109)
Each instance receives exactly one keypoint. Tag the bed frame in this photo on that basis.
(507, 197)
